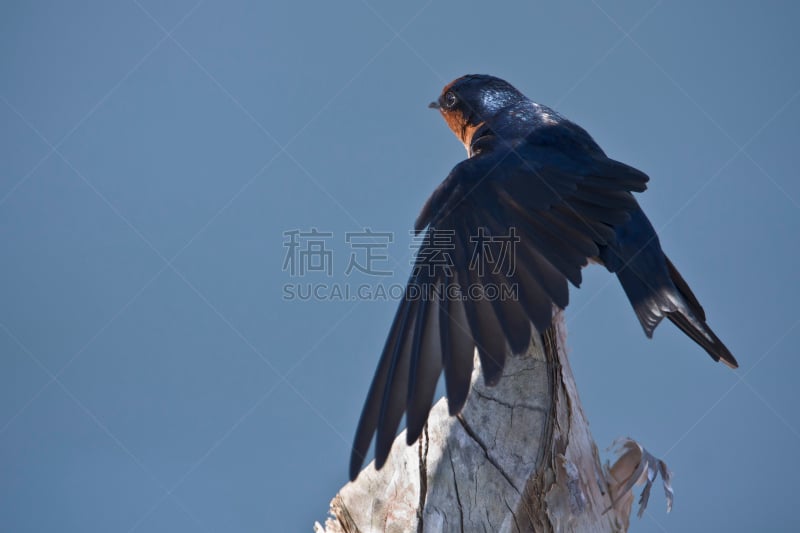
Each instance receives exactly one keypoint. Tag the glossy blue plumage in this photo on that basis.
(535, 175)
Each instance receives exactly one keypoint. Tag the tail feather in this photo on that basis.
(655, 297)
(693, 323)
(704, 336)
(685, 291)
(655, 288)
(648, 294)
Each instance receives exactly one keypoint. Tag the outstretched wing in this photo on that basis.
(543, 207)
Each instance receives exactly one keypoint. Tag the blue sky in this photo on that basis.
(153, 376)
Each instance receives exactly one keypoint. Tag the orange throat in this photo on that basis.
(458, 124)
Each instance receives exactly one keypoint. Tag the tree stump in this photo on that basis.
(519, 458)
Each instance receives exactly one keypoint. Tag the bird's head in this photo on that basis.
(470, 101)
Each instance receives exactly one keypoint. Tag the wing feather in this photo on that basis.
(562, 197)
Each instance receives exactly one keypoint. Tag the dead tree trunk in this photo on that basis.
(518, 458)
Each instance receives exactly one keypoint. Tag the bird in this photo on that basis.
(539, 181)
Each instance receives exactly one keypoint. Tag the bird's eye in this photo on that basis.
(450, 100)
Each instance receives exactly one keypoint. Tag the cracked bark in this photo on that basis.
(519, 458)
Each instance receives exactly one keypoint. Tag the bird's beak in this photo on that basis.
(434, 105)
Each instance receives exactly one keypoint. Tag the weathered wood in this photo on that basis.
(518, 458)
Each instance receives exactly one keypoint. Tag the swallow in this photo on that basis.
(532, 173)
